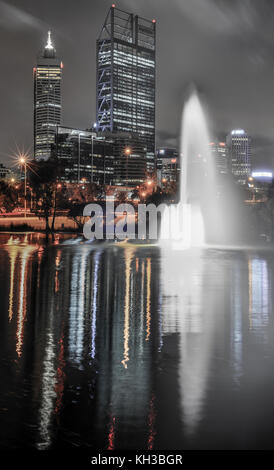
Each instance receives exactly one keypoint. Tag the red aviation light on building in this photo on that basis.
(153, 21)
(212, 143)
(62, 65)
(222, 144)
(173, 160)
(113, 5)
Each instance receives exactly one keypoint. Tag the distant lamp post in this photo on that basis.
(23, 162)
(127, 154)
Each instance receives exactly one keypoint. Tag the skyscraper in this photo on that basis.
(126, 78)
(219, 152)
(47, 100)
(239, 145)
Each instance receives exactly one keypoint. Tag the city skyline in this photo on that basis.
(231, 103)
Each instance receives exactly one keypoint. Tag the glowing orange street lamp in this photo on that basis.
(127, 153)
(23, 162)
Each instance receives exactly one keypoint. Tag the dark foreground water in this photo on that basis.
(127, 347)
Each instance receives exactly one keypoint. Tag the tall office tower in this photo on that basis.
(239, 145)
(219, 152)
(47, 100)
(126, 78)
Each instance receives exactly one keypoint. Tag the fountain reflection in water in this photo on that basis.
(183, 225)
(191, 224)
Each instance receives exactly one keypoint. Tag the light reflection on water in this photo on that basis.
(134, 347)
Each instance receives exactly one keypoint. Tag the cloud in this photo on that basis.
(220, 16)
(13, 18)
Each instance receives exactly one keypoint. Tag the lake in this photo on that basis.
(123, 346)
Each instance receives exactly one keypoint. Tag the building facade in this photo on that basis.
(168, 166)
(105, 158)
(239, 149)
(47, 100)
(220, 156)
(5, 173)
(126, 78)
(86, 156)
(129, 159)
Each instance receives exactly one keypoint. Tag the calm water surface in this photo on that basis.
(134, 347)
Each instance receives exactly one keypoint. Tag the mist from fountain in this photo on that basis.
(184, 224)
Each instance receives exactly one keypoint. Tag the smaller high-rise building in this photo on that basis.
(168, 166)
(5, 173)
(129, 159)
(239, 150)
(47, 100)
(105, 158)
(219, 152)
(85, 156)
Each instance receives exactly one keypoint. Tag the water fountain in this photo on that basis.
(184, 225)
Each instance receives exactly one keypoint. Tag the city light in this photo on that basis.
(49, 43)
(262, 174)
(238, 132)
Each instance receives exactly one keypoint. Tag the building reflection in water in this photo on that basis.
(77, 305)
(129, 340)
(260, 294)
(127, 347)
(20, 253)
(95, 301)
(203, 298)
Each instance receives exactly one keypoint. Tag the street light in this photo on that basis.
(127, 153)
(23, 162)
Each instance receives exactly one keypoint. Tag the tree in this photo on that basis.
(44, 182)
(8, 197)
(76, 214)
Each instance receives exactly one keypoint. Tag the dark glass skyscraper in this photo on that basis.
(47, 100)
(126, 78)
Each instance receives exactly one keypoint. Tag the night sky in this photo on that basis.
(225, 47)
